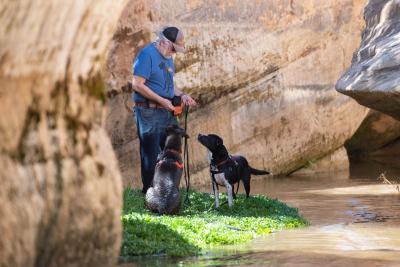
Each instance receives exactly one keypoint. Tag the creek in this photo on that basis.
(355, 221)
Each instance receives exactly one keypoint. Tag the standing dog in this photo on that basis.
(227, 170)
(163, 197)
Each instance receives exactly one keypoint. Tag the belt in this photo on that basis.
(148, 105)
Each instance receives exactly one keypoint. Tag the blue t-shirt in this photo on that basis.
(157, 70)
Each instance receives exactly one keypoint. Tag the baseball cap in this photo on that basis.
(175, 35)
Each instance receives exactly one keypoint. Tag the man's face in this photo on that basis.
(179, 45)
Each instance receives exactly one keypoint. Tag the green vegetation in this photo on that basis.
(199, 225)
(94, 86)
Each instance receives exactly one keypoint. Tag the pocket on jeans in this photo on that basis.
(147, 113)
(146, 119)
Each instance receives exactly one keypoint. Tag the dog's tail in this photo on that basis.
(257, 172)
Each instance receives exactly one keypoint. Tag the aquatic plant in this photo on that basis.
(199, 225)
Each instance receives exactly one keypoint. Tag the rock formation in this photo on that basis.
(336, 161)
(388, 155)
(263, 73)
(60, 194)
(374, 76)
(376, 131)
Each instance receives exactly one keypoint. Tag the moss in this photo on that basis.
(209, 93)
(46, 234)
(27, 151)
(200, 226)
(72, 127)
(94, 86)
(310, 163)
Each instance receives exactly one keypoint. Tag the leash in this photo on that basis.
(186, 158)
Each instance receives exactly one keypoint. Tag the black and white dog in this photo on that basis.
(163, 197)
(226, 170)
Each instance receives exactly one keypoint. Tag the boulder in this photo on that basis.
(60, 194)
(376, 131)
(389, 154)
(373, 78)
(263, 72)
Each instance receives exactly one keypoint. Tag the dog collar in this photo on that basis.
(214, 167)
(180, 165)
(177, 163)
(225, 161)
(222, 162)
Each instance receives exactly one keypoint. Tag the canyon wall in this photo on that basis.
(263, 72)
(60, 194)
(373, 78)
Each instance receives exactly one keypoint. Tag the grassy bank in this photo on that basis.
(200, 226)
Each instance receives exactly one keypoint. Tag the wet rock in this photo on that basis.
(337, 161)
(388, 154)
(374, 76)
(376, 131)
(60, 194)
(262, 72)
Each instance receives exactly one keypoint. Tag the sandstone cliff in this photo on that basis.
(60, 194)
(262, 71)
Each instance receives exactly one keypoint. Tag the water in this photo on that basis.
(355, 221)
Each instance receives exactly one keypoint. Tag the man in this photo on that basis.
(153, 83)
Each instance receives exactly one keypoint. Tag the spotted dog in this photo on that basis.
(227, 170)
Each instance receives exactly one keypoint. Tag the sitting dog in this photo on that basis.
(226, 170)
(163, 197)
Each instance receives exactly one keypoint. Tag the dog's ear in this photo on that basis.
(219, 142)
(170, 129)
(175, 129)
(182, 132)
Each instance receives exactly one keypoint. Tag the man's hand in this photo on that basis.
(139, 86)
(188, 101)
(167, 104)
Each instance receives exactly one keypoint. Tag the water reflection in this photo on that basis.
(355, 222)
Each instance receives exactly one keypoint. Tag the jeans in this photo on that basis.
(151, 124)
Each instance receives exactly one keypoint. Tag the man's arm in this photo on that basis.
(139, 87)
(177, 91)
